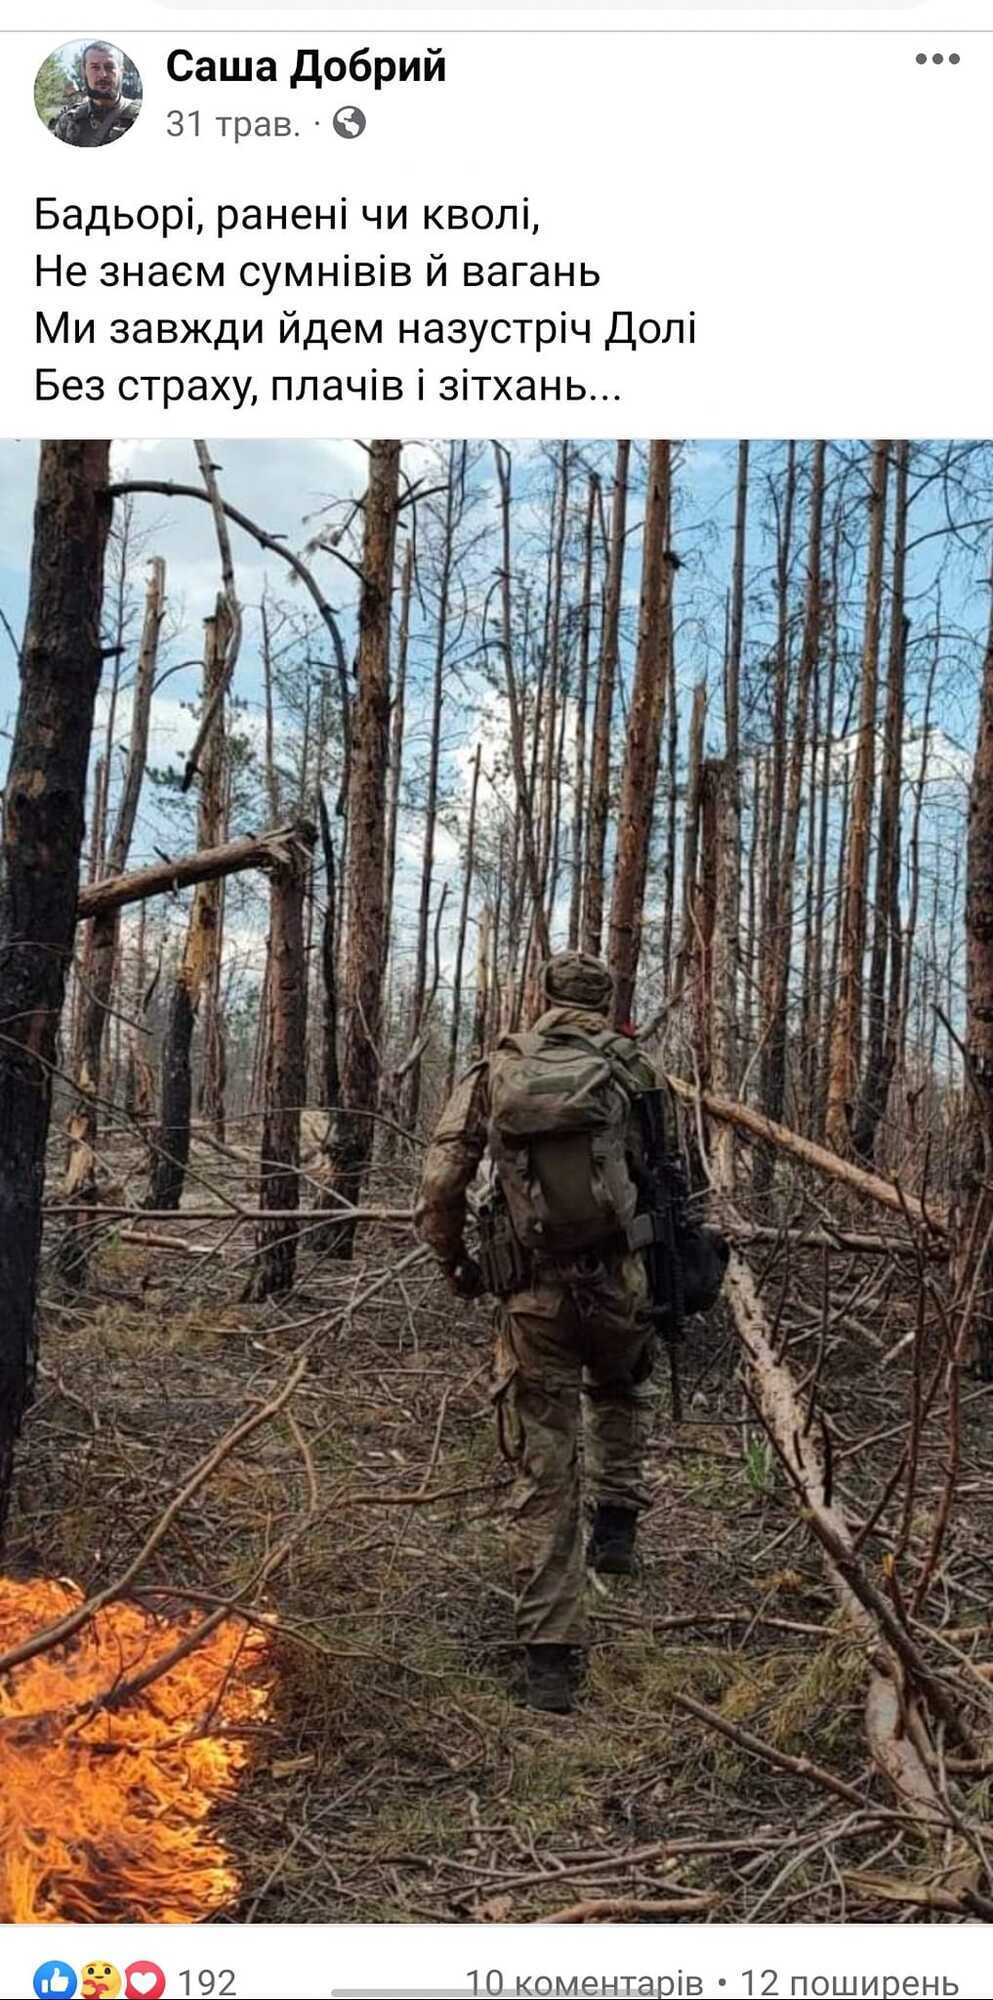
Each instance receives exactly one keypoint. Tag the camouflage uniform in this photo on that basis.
(578, 1338)
(86, 124)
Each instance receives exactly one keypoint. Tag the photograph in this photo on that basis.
(496, 1176)
(88, 93)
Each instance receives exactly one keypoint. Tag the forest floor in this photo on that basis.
(398, 1777)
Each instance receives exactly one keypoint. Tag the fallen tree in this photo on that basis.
(273, 849)
(911, 1711)
(886, 1194)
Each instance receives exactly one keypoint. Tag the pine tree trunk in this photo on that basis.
(412, 1094)
(582, 702)
(196, 971)
(776, 883)
(652, 677)
(599, 806)
(104, 941)
(397, 725)
(779, 943)
(817, 1017)
(480, 1011)
(972, 1262)
(348, 1146)
(880, 1051)
(846, 1026)
(672, 803)
(470, 855)
(61, 663)
(705, 918)
(285, 1085)
(212, 828)
(724, 1024)
(553, 676)
(691, 839)
(538, 927)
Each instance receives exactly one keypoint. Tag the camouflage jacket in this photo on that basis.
(460, 1137)
(84, 125)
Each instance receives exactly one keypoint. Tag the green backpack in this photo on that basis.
(560, 1103)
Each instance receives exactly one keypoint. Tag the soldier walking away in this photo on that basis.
(103, 113)
(555, 1112)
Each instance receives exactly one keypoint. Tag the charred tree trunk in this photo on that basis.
(652, 676)
(846, 1026)
(599, 806)
(777, 884)
(172, 1140)
(331, 1095)
(691, 838)
(397, 722)
(524, 814)
(723, 1014)
(973, 1238)
(880, 1048)
(480, 1011)
(211, 830)
(672, 812)
(780, 943)
(43, 836)
(285, 1082)
(470, 856)
(582, 699)
(553, 676)
(104, 940)
(453, 490)
(816, 1015)
(705, 917)
(348, 1147)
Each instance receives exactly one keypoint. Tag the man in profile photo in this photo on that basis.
(102, 112)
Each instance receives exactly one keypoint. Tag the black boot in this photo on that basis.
(611, 1544)
(551, 1675)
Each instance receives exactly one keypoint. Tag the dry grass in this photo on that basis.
(401, 1779)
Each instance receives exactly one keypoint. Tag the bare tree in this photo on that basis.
(104, 942)
(599, 802)
(61, 662)
(846, 1025)
(652, 675)
(172, 1139)
(348, 1146)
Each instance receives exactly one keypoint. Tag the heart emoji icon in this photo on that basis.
(145, 1981)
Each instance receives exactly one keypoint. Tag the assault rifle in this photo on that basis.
(659, 1228)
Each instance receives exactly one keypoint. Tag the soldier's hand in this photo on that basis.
(466, 1279)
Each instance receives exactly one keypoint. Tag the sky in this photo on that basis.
(285, 487)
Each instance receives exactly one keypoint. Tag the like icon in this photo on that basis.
(55, 1978)
(144, 1981)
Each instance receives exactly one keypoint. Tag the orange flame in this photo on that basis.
(105, 1817)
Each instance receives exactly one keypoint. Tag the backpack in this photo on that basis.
(560, 1102)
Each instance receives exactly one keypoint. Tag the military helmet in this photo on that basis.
(576, 979)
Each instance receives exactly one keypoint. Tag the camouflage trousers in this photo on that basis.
(573, 1361)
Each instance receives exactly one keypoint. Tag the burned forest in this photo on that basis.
(312, 754)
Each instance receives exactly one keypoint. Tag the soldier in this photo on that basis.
(575, 1330)
(103, 114)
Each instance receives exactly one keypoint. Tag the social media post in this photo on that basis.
(438, 1502)
(298, 234)
(494, 1013)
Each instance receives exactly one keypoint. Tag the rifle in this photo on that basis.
(658, 1228)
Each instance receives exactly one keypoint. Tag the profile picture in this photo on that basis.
(88, 93)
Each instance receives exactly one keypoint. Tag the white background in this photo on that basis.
(818, 200)
(297, 1962)
(822, 204)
